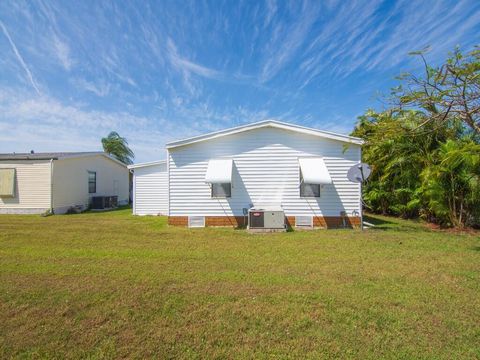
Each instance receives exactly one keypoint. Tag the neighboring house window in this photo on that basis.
(309, 190)
(92, 182)
(221, 190)
(7, 182)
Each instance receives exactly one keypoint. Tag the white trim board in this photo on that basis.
(267, 123)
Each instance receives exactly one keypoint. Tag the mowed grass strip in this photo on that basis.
(111, 285)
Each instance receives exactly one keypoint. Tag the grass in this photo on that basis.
(110, 285)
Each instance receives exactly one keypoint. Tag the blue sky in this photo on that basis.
(71, 71)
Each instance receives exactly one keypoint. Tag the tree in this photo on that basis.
(433, 173)
(425, 148)
(117, 146)
(397, 157)
(450, 90)
(451, 185)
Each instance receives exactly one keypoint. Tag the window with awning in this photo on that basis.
(219, 175)
(313, 174)
(7, 182)
(314, 171)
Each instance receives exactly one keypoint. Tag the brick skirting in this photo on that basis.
(234, 221)
(178, 220)
(328, 222)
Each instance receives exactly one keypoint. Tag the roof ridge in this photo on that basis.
(263, 123)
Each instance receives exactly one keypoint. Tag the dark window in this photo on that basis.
(92, 182)
(221, 190)
(309, 190)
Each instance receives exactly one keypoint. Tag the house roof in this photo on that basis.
(145, 164)
(56, 156)
(264, 124)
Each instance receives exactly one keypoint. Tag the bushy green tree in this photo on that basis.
(450, 185)
(424, 150)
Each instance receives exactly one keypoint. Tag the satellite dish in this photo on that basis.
(359, 173)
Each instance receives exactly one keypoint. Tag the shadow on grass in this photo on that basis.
(383, 223)
(376, 221)
(380, 224)
(90, 211)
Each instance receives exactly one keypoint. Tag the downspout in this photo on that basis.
(168, 185)
(361, 192)
(51, 186)
(133, 191)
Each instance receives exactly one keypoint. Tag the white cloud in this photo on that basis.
(187, 66)
(376, 40)
(20, 58)
(99, 88)
(44, 120)
(62, 52)
(271, 11)
(286, 41)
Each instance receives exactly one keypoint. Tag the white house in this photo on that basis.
(150, 188)
(214, 178)
(37, 182)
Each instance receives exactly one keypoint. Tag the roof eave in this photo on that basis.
(99, 153)
(29, 159)
(277, 124)
(146, 164)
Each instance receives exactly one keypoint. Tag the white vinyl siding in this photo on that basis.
(32, 193)
(265, 171)
(151, 190)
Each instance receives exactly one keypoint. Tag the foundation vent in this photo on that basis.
(304, 221)
(196, 221)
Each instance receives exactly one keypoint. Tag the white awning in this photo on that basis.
(219, 171)
(314, 171)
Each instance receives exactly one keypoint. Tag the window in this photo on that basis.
(309, 190)
(223, 190)
(92, 182)
(7, 182)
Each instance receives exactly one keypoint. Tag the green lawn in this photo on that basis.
(112, 285)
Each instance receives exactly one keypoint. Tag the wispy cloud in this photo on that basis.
(187, 66)
(45, 109)
(37, 120)
(380, 35)
(144, 68)
(271, 10)
(20, 58)
(99, 88)
(287, 40)
(62, 52)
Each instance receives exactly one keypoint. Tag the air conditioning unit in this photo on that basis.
(104, 202)
(266, 217)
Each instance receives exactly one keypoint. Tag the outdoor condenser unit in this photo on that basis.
(266, 217)
(104, 202)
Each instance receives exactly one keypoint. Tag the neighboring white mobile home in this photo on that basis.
(214, 179)
(150, 188)
(37, 182)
